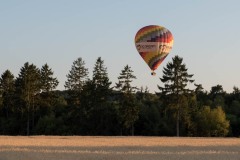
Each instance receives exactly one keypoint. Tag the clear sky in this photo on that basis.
(57, 32)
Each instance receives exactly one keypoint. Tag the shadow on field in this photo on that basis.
(119, 152)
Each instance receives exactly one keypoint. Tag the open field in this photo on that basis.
(117, 148)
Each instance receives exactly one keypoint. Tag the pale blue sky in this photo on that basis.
(57, 32)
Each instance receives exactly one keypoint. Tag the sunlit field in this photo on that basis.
(117, 148)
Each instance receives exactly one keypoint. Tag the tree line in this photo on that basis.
(31, 105)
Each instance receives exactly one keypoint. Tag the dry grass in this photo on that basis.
(117, 148)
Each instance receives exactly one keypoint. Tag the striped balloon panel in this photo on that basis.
(154, 44)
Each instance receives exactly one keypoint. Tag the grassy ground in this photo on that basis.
(117, 148)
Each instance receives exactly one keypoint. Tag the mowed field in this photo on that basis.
(117, 148)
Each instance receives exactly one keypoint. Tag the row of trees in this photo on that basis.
(29, 104)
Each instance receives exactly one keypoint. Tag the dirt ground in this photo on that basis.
(117, 148)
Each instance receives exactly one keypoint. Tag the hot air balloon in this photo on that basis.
(153, 44)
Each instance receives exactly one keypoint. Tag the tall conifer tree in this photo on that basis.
(7, 87)
(76, 79)
(98, 96)
(100, 80)
(129, 108)
(176, 78)
(48, 82)
(28, 86)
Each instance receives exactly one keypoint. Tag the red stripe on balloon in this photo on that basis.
(143, 54)
(156, 64)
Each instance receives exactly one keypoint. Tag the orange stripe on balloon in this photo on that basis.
(143, 54)
(156, 64)
(146, 30)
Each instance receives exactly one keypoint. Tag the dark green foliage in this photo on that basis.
(94, 115)
(216, 90)
(128, 104)
(30, 104)
(201, 96)
(77, 76)
(51, 125)
(125, 79)
(76, 79)
(175, 92)
(48, 82)
(7, 88)
(234, 125)
(101, 82)
(149, 116)
(102, 115)
(128, 109)
(28, 86)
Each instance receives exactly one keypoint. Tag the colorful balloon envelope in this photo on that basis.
(153, 44)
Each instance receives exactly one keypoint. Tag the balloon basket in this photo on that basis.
(153, 73)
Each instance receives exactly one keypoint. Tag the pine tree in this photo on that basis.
(77, 76)
(7, 87)
(101, 81)
(98, 97)
(176, 78)
(28, 86)
(125, 79)
(98, 89)
(129, 108)
(76, 79)
(48, 82)
(217, 95)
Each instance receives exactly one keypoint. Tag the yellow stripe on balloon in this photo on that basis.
(149, 56)
(148, 32)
